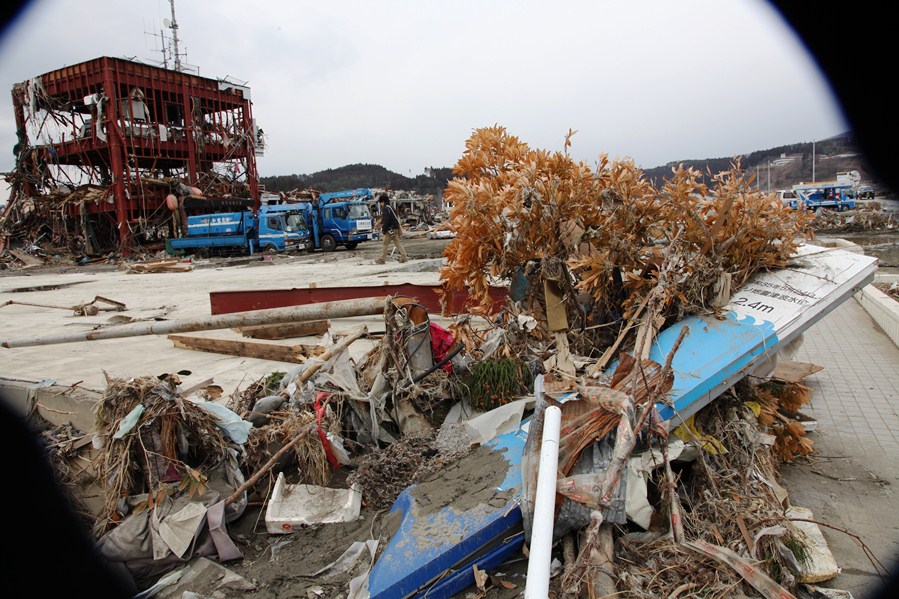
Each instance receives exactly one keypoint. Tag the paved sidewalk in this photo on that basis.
(851, 481)
(855, 397)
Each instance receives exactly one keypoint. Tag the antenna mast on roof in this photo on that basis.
(174, 27)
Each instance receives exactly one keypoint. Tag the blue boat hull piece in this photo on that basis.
(426, 547)
(462, 577)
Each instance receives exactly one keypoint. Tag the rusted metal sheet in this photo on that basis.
(226, 302)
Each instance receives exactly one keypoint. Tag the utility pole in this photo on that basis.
(769, 177)
(813, 162)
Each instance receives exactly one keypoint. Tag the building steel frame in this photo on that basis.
(134, 141)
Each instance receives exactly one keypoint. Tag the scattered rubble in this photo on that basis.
(441, 426)
(866, 217)
(891, 289)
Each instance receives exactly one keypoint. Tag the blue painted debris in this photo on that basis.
(431, 555)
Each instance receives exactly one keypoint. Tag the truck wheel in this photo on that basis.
(328, 243)
(201, 253)
(352, 245)
(270, 250)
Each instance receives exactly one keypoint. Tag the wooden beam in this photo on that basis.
(296, 354)
(286, 330)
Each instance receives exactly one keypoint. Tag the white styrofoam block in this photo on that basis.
(293, 506)
(821, 565)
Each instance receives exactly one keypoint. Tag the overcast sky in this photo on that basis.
(404, 83)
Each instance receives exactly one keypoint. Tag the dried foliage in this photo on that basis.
(865, 218)
(779, 404)
(891, 289)
(727, 499)
(634, 250)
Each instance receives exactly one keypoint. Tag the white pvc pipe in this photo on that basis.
(540, 557)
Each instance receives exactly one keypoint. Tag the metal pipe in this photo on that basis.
(321, 311)
(544, 508)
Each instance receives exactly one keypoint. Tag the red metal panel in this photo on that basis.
(226, 302)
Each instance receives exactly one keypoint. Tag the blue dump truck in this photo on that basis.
(811, 196)
(333, 219)
(340, 218)
(272, 229)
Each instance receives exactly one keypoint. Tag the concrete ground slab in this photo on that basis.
(850, 481)
(172, 296)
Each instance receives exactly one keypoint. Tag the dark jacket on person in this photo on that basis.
(389, 221)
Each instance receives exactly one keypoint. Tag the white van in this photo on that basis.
(787, 197)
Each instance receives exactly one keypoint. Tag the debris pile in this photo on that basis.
(442, 425)
(891, 289)
(866, 217)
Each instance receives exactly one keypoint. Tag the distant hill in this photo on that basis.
(354, 176)
(774, 168)
(784, 166)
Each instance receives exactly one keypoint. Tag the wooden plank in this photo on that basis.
(164, 265)
(296, 354)
(286, 330)
(26, 259)
(794, 372)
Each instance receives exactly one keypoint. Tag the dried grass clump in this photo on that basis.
(174, 441)
(727, 499)
(61, 445)
(308, 457)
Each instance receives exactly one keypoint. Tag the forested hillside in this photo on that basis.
(784, 166)
(774, 168)
(354, 176)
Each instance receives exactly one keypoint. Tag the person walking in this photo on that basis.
(390, 230)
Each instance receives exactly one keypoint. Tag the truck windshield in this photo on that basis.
(359, 211)
(275, 223)
(295, 223)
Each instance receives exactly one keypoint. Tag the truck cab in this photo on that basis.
(283, 227)
(341, 218)
(787, 197)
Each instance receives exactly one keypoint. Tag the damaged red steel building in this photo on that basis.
(111, 152)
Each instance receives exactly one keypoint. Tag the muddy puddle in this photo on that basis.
(44, 287)
(882, 245)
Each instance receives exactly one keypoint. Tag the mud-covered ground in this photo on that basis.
(284, 566)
